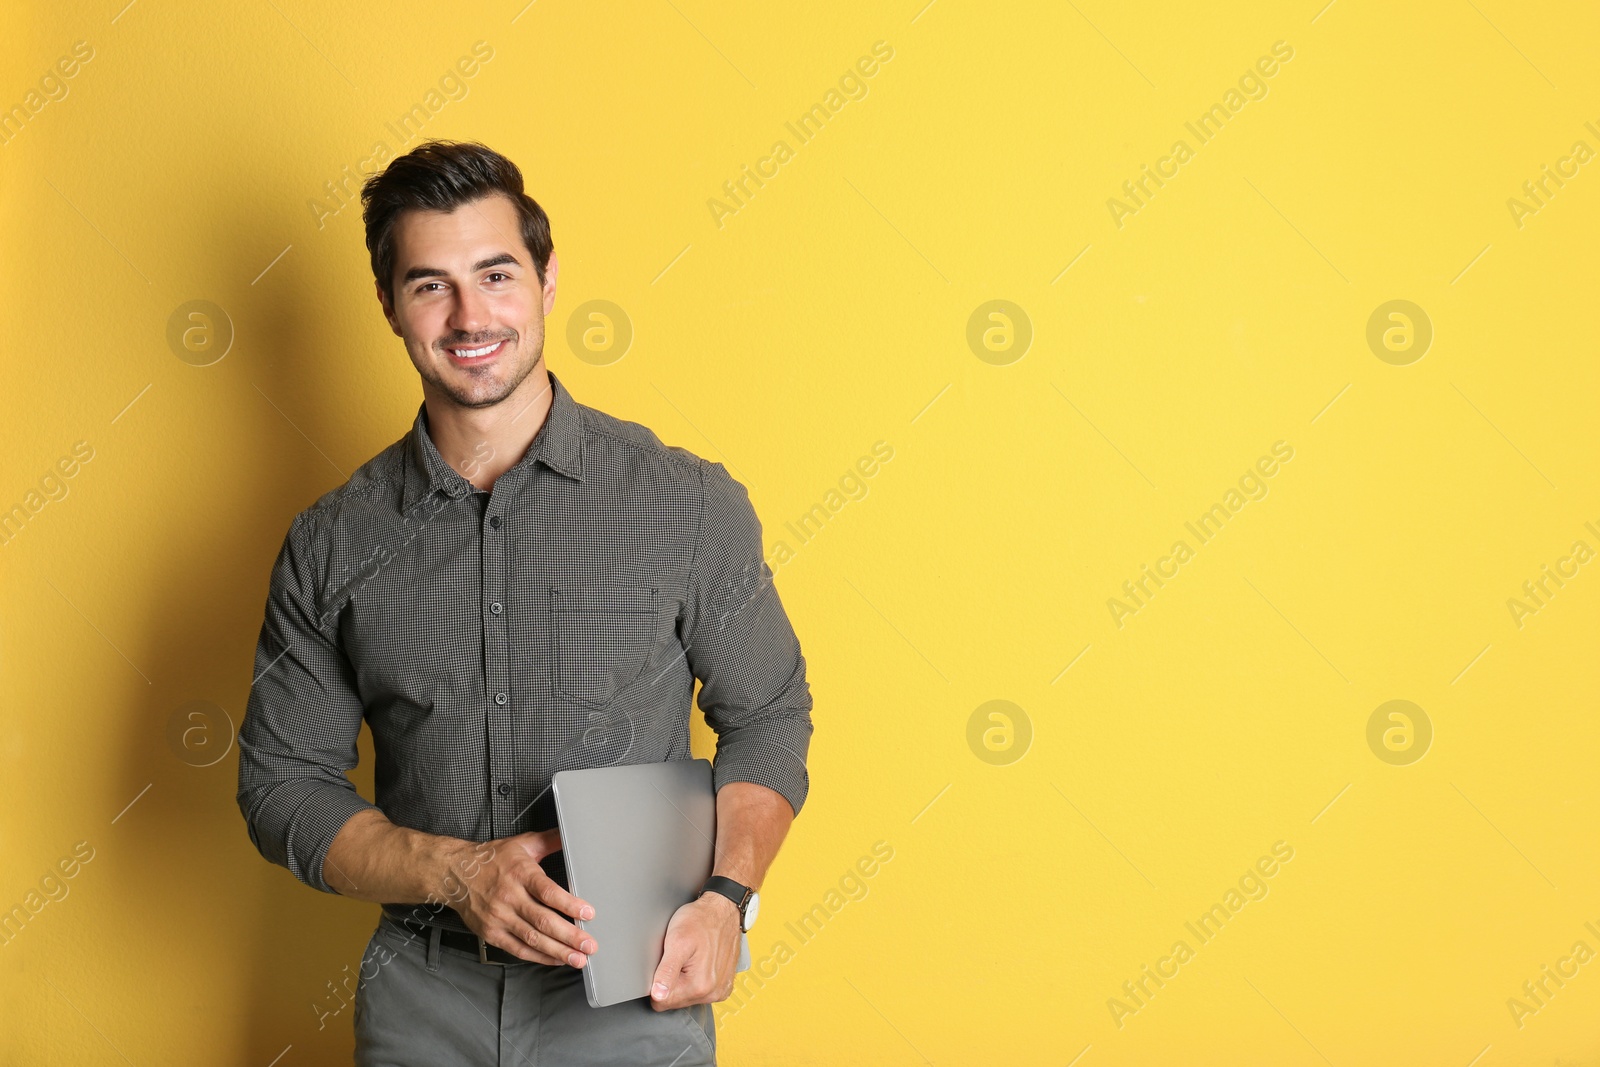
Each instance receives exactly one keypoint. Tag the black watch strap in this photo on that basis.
(739, 894)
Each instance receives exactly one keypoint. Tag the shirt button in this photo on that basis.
(503, 789)
(500, 698)
(494, 522)
(494, 608)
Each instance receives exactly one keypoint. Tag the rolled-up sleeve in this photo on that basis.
(743, 649)
(300, 727)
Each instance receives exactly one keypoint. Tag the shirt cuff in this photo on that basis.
(311, 815)
(770, 753)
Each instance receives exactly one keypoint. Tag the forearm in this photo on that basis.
(373, 859)
(752, 821)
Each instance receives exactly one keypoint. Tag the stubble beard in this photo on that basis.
(477, 392)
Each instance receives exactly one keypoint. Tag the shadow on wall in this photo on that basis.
(199, 881)
(309, 390)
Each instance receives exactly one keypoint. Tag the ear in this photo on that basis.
(550, 271)
(388, 309)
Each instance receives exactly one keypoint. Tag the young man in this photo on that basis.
(520, 585)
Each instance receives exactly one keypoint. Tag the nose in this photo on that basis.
(471, 312)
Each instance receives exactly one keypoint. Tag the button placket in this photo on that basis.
(497, 675)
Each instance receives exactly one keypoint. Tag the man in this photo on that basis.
(520, 585)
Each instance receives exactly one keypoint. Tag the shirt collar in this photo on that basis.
(558, 445)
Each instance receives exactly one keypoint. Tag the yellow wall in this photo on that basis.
(1170, 748)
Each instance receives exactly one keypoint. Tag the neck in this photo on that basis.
(481, 444)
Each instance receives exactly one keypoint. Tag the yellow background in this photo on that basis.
(1226, 715)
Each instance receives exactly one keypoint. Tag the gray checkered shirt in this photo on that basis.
(491, 639)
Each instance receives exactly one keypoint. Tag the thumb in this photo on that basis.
(542, 843)
(675, 955)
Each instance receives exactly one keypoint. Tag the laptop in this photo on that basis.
(638, 843)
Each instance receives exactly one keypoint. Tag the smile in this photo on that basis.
(471, 355)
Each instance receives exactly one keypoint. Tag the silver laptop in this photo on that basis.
(638, 844)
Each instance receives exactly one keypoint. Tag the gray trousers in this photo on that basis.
(423, 1004)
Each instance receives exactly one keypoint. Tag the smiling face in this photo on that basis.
(468, 302)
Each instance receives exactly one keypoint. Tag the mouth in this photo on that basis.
(472, 357)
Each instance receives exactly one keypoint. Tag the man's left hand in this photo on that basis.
(701, 953)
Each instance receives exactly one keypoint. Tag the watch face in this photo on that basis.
(750, 909)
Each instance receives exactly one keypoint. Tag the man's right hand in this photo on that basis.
(510, 902)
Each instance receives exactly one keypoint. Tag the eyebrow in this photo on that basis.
(482, 264)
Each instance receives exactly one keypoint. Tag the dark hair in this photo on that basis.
(441, 176)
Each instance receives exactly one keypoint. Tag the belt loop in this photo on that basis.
(434, 934)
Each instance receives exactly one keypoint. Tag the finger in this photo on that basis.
(522, 950)
(544, 889)
(526, 942)
(554, 926)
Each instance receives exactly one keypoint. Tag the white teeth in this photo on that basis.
(473, 353)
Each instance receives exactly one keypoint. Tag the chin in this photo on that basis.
(479, 397)
(475, 392)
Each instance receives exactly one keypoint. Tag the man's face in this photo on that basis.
(467, 301)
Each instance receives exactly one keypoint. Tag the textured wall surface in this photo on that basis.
(1174, 433)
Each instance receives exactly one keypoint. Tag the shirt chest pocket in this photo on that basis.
(602, 637)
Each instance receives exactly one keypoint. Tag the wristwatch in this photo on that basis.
(747, 900)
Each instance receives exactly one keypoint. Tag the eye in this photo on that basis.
(499, 274)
